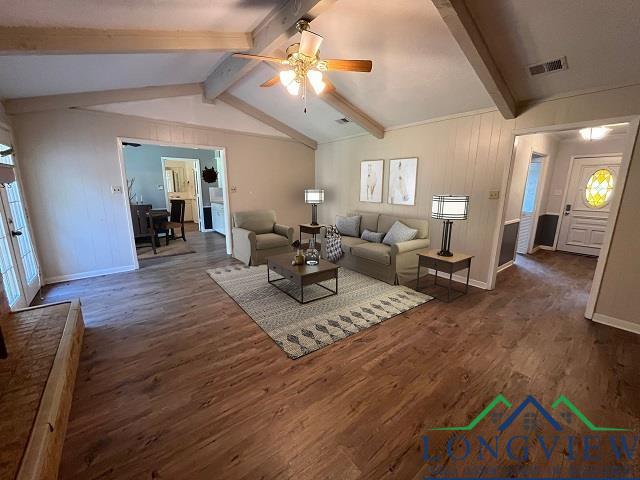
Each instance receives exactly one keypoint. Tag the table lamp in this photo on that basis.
(449, 208)
(314, 197)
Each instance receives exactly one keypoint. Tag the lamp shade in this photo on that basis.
(450, 207)
(314, 196)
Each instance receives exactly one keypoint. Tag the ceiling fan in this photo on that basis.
(303, 63)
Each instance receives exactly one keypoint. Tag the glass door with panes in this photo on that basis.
(18, 262)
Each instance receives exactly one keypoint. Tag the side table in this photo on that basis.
(450, 265)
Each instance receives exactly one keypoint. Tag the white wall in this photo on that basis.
(446, 146)
(462, 155)
(70, 161)
(4, 118)
(560, 171)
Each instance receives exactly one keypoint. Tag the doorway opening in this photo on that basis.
(173, 192)
(562, 196)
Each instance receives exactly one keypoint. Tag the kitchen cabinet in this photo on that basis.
(217, 216)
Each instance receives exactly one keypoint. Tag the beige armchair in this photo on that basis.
(256, 236)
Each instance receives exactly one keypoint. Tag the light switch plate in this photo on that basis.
(494, 194)
(116, 189)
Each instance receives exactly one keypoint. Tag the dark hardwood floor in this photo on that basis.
(176, 382)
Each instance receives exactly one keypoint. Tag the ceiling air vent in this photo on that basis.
(548, 67)
(343, 120)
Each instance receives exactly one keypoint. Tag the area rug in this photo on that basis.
(175, 247)
(362, 302)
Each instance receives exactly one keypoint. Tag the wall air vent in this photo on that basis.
(547, 67)
(343, 120)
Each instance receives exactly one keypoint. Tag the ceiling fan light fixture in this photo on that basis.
(293, 88)
(315, 78)
(287, 76)
(309, 43)
(594, 133)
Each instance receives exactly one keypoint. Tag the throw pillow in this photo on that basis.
(374, 237)
(349, 226)
(399, 232)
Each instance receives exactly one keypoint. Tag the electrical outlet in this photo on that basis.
(116, 189)
(494, 194)
(160, 187)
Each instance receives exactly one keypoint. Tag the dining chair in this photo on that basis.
(176, 219)
(143, 227)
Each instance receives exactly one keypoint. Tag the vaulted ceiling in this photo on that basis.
(420, 70)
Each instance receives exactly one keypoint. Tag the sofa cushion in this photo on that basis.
(369, 221)
(265, 241)
(259, 221)
(399, 232)
(373, 237)
(376, 252)
(347, 242)
(349, 226)
(422, 226)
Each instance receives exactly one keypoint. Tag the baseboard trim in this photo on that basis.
(617, 323)
(461, 279)
(506, 265)
(546, 247)
(89, 274)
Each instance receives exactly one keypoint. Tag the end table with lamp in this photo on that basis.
(447, 208)
(313, 197)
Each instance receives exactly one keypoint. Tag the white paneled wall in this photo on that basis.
(69, 160)
(463, 155)
(472, 152)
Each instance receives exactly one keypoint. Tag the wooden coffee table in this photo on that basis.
(301, 275)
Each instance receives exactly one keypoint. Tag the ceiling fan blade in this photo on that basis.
(309, 43)
(260, 57)
(272, 81)
(349, 65)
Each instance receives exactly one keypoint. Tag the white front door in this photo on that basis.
(590, 189)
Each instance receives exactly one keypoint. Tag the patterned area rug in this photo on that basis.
(301, 329)
(175, 247)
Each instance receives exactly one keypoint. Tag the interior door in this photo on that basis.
(592, 182)
(528, 214)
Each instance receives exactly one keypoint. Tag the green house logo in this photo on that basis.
(531, 400)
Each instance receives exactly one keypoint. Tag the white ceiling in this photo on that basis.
(600, 39)
(35, 75)
(564, 135)
(318, 123)
(219, 15)
(419, 72)
(417, 64)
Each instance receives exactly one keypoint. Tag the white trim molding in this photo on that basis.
(510, 263)
(89, 274)
(459, 279)
(617, 323)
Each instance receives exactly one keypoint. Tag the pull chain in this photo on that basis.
(304, 94)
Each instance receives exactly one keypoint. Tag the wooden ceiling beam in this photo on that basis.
(269, 35)
(457, 17)
(353, 113)
(89, 99)
(62, 41)
(267, 119)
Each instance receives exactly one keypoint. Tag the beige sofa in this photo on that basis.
(256, 236)
(394, 264)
